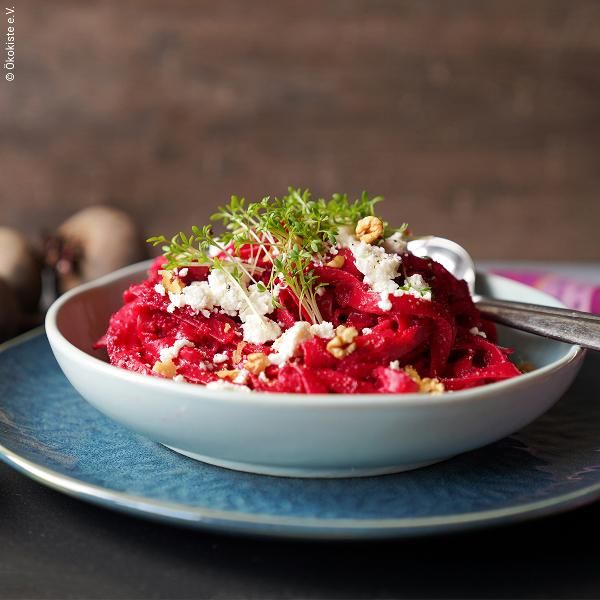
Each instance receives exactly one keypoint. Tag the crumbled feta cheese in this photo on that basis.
(417, 282)
(219, 358)
(415, 286)
(198, 296)
(242, 377)
(379, 268)
(323, 330)
(237, 300)
(171, 352)
(476, 331)
(183, 272)
(159, 288)
(226, 385)
(228, 294)
(257, 303)
(385, 303)
(395, 365)
(395, 244)
(262, 376)
(179, 379)
(367, 331)
(286, 346)
(205, 313)
(177, 301)
(260, 330)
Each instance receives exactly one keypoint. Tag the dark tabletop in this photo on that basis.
(53, 546)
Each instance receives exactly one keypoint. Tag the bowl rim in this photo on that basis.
(324, 401)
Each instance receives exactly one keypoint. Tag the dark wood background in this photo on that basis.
(478, 120)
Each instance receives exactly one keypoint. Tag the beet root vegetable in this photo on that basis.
(94, 242)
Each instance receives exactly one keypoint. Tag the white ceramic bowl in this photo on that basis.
(305, 435)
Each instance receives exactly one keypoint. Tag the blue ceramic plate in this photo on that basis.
(50, 433)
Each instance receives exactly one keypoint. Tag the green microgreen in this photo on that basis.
(291, 232)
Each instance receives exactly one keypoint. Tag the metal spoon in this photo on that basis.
(572, 326)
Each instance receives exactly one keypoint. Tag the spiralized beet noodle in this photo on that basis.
(435, 337)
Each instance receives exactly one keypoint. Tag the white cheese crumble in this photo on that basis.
(415, 286)
(159, 288)
(179, 379)
(234, 299)
(260, 330)
(171, 352)
(198, 296)
(476, 331)
(367, 331)
(395, 365)
(377, 266)
(219, 358)
(323, 330)
(226, 385)
(380, 269)
(258, 302)
(183, 272)
(230, 296)
(286, 346)
(177, 301)
(242, 377)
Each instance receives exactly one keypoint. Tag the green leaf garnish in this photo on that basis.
(291, 232)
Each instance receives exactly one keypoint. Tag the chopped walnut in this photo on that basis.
(172, 283)
(166, 368)
(237, 353)
(227, 374)
(343, 343)
(256, 363)
(337, 262)
(427, 385)
(369, 230)
(431, 386)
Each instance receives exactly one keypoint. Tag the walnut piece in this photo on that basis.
(369, 230)
(237, 353)
(427, 385)
(337, 262)
(256, 363)
(227, 374)
(343, 343)
(172, 283)
(166, 368)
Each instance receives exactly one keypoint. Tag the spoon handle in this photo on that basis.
(561, 324)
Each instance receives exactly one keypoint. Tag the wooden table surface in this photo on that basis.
(479, 120)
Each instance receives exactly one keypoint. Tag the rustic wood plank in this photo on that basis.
(478, 120)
